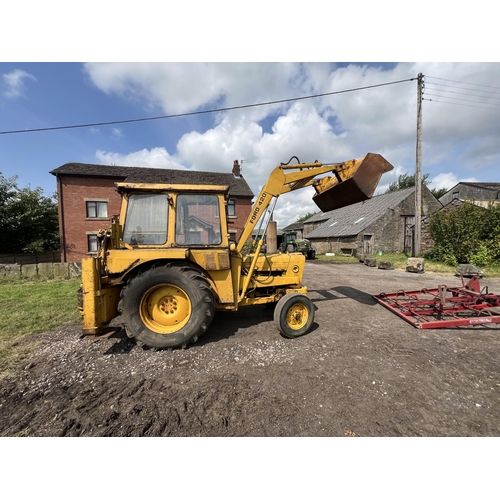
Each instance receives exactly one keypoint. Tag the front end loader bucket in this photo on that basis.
(354, 181)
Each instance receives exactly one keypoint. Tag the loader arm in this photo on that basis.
(353, 181)
(282, 180)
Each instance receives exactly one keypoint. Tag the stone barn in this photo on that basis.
(479, 193)
(382, 223)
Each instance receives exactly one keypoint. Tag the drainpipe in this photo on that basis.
(61, 218)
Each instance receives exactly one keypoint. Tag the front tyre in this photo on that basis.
(294, 315)
(167, 306)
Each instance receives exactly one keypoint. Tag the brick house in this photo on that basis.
(383, 223)
(88, 199)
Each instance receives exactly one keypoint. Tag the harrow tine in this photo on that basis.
(444, 306)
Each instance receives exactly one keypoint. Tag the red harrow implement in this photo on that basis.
(445, 307)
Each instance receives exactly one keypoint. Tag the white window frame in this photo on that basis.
(96, 202)
(89, 237)
(231, 202)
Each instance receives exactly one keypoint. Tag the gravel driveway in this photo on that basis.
(361, 371)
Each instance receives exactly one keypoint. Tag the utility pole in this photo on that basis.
(418, 172)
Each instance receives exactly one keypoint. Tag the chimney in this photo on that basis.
(236, 169)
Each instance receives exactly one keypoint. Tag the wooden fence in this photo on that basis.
(30, 258)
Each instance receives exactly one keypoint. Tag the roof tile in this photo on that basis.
(238, 186)
(351, 220)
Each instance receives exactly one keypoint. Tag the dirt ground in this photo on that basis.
(361, 371)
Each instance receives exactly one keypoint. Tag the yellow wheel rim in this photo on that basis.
(165, 309)
(297, 316)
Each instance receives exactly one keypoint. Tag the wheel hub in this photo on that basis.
(165, 309)
(168, 305)
(297, 316)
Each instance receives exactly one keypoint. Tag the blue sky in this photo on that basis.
(460, 124)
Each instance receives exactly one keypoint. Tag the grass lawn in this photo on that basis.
(31, 307)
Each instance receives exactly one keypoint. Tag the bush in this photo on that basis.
(469, 234)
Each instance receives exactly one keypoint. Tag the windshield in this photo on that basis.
(197, 220)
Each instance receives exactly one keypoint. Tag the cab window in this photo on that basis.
(146, 219)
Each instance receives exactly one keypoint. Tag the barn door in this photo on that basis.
(367, 244)
(408, 236)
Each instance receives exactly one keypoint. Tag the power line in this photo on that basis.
(491, 108)
(479, 94)
(460, 99)
(135, 120)
(443, 89)
(463, 83)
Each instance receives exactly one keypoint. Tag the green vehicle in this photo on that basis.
(294, 244)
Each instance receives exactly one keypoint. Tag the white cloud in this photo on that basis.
(301, 132)
(179, 88)
(457, 139)
(117, 133)
(448, 180)
(154, 158)
(15, 83)
(294, 205)
(217, 148)
(388, 178)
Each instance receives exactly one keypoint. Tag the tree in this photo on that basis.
(439, 192)
(28, 219)
(406, 180)
(305, 217)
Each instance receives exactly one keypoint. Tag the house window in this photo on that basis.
(455, 194)
(231, 207)
(92, 243)
(97, 209)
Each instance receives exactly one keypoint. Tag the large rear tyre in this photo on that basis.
(294, 315)
(167, 306)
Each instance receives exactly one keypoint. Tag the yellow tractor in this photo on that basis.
(167, 264)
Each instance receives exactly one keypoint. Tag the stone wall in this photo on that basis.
(388, 232)
(47, 270)
(336, 245)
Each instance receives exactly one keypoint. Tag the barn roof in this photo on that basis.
(495, 186)
(353, 219)
(294, 226)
